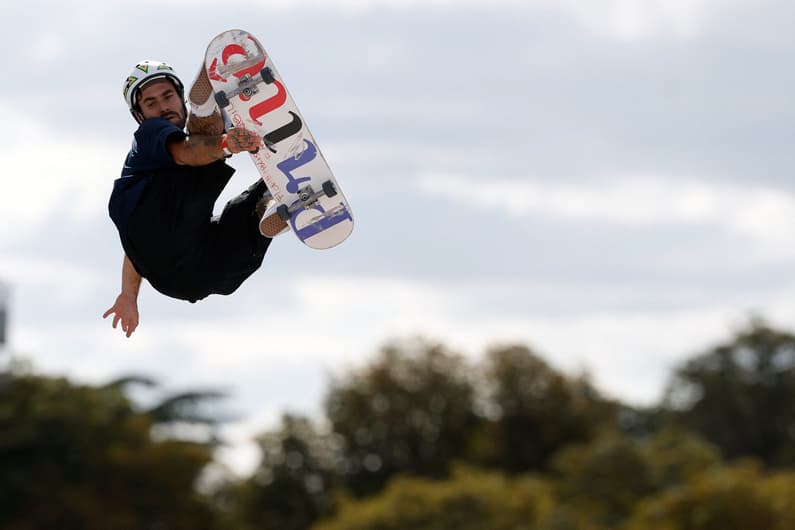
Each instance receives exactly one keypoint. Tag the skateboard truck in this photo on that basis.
(247, 86)
(307, 197)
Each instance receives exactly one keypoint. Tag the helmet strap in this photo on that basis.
(137, 116)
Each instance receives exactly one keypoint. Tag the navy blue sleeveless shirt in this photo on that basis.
(162, 210)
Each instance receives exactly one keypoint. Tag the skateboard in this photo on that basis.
(251, 92)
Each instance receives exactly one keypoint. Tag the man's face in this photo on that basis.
(159, 99)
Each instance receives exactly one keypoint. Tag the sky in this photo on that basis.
(608, 182)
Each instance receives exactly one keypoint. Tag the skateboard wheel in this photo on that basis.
(284, 212)
(267, 75)
(329, 189)
(221, 99)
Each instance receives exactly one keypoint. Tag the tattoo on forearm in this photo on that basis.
(200, 149)
(210, 141)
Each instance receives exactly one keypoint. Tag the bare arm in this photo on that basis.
(200, 149)
(126, 306)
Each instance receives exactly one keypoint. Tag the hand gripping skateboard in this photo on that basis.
(251, 92)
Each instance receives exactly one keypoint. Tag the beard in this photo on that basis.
(175, 117)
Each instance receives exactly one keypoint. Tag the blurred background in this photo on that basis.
(566, 304)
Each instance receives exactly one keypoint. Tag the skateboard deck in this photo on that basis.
(250, 90)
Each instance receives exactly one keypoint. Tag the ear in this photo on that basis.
(138, 116)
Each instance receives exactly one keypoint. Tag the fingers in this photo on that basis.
(241, 139)
(128, 324)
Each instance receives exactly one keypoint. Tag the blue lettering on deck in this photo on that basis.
(294, 162)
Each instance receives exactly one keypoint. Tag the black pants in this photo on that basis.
(234, 247)
(181, 249)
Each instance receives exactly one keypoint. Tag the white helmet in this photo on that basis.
(144, 73)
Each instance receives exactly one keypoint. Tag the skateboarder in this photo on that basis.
(163, 202)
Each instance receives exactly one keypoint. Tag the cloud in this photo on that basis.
(47, 47)
(63, 281)
(357, 5)
(635, 19)
(760, 215)
(318, 317)
(624, 20)
(51, 177)
(629, 353)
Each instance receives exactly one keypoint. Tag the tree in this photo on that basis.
(674, 457)
(740, 395)
(76, 456)
(740, 496)
(469, 500)
(532, 410)
(177, 413)
(605, 478)
(410, 411)
(294, 483)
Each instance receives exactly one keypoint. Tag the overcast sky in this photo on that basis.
(608, 182)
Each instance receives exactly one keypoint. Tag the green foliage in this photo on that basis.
(293, 484)
(606, 478)
(778, 492)
(182, 407)
(532, 410)
(603, 479)
(673, 481)
(469, 500)
(423, 439)
(413, 411)
(410, 411)
(730, 497)
(76, 457)
(740, 395)
(674, 457)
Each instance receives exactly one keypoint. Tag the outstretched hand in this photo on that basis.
(125, 310)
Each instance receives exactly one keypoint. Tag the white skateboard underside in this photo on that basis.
(289, 159)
